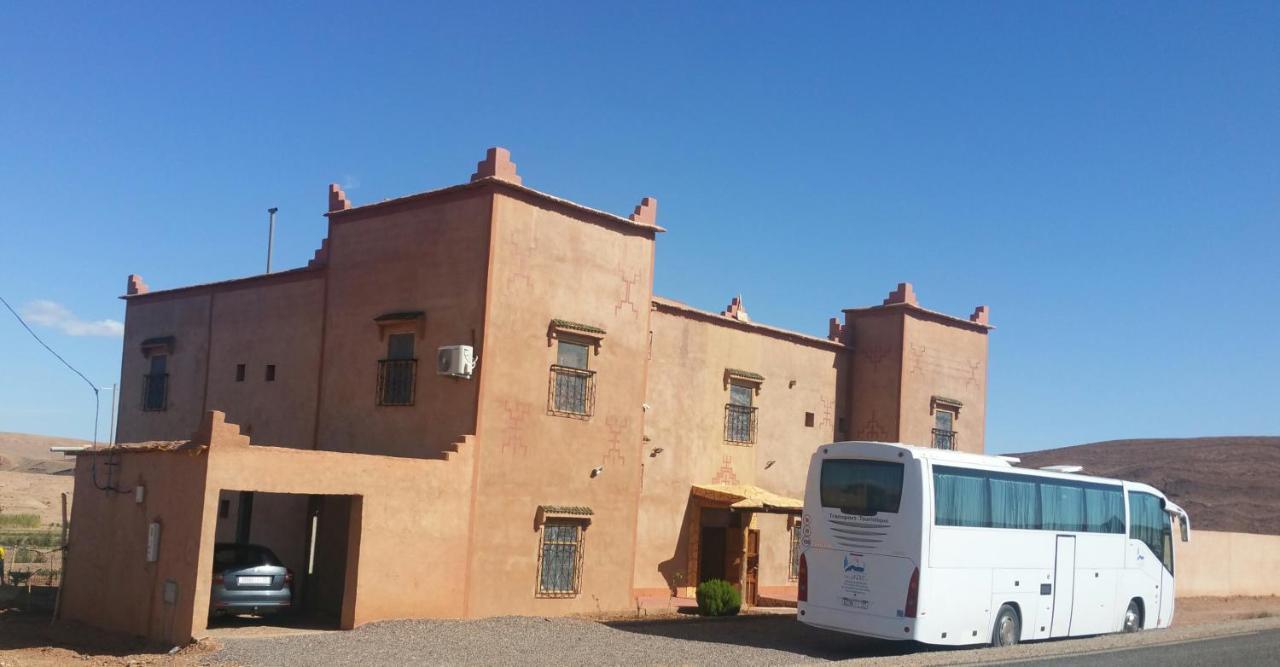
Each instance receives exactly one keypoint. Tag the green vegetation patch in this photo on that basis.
(19, 521)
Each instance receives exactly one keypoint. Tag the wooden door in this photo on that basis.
(750, 582)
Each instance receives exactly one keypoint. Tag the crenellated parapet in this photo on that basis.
(337, 198)
(497, 164)
(905, 293)
(646, 212)
(135, 285)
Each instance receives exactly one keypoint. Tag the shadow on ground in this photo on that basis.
(247, 625)
(778, 632)
(26, 622)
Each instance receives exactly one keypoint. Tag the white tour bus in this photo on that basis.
(945, 547)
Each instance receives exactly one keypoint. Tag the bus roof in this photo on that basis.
(947, 456)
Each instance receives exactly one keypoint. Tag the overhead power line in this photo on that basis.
(110, 485)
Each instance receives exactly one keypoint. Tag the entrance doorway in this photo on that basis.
(299, 545)
(711, 556)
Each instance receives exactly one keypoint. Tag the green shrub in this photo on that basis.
(19, 521)
(718, 597)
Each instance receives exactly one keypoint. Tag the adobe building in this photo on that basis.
(471, 403)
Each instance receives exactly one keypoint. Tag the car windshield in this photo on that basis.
(242, 555)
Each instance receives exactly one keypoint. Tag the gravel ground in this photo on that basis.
(760, 640)
(517, 640)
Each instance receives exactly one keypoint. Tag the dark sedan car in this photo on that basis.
(248, 578)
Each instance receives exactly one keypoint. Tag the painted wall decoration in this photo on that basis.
(516, 414)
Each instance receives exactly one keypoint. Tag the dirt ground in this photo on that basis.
(27, 637)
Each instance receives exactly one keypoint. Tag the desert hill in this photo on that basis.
(24, 452)
(32, 478)
(1224, 483)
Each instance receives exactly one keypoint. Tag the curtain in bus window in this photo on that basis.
(961, 499)
(1062, 506)
(1147, 522)
(1103, 510)
(1013, 504)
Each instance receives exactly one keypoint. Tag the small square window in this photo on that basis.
(271, 372)
(808, 419)
(239, 372)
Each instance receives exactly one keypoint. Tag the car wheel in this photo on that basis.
(1008, 627)
(1133, 617)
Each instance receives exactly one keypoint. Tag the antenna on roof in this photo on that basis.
(271, 234)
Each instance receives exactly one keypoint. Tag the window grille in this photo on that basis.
(794, 571)
(155, 392)
(560, 559)
(396, 380)
(944, 434)
(740, 424)
(571, 392)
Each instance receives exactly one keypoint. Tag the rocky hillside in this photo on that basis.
(1224, 483)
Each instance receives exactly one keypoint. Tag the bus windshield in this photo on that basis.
(857, 486)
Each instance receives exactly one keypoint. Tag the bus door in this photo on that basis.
(1064, 585)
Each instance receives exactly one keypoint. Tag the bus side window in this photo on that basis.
(1166, 553)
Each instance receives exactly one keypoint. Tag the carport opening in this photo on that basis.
(282, 558)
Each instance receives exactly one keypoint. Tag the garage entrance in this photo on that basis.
(281, 558)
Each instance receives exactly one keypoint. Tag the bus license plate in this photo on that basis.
(254, 581)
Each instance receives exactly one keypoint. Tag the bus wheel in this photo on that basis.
(1133, 617)
(1008, 627)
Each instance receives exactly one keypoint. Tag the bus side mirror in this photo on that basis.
(1184, 527)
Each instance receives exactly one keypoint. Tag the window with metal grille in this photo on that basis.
(572, 387)
(944, 434)
(155, 385)
(560, 559)
(740, 415)
(397, 374)
(794, 570)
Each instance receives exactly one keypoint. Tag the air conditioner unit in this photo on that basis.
(456, 360)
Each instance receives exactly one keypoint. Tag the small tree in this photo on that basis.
(718, 597)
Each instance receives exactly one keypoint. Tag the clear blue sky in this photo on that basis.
(1106, 178)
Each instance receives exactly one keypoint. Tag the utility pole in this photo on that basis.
(271, 234)
(114, 407)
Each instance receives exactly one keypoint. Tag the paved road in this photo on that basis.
(1254, 648)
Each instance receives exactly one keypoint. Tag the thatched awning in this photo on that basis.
(748, 498)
